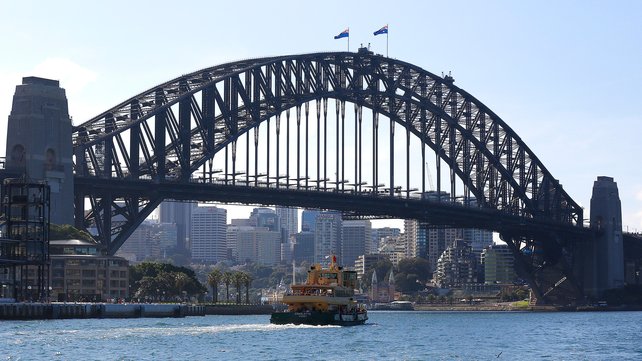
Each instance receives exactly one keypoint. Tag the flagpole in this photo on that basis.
(387, 41)
(348, 40)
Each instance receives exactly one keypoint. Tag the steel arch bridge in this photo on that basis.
(191, 137)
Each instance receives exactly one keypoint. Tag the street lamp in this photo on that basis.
(29, 292)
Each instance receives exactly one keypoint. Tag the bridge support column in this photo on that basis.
(39, 142)
(602, 262)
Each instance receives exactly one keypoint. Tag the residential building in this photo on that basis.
(456, 266)
(499, 264)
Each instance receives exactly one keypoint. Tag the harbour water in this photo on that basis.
(388, 335)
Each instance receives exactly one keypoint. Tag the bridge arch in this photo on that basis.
(142, 138)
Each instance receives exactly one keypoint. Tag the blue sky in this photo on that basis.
(565, 75)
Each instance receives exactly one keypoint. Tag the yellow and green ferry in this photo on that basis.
(326, 298)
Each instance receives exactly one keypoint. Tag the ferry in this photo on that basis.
(326, 298)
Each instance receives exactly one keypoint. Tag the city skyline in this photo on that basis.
(563, 81)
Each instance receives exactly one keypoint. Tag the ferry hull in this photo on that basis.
(318, 318)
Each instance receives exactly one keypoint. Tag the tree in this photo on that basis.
(247, 280)
(237, 278)
(155, 279)
(228, 278)
(214, 279)
(412, 275)
(66, 231)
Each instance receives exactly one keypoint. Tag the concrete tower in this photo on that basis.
(607, 259)
(39, 142)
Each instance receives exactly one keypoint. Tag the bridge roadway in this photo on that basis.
(349, 201)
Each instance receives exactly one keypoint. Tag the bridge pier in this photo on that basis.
(601, 261)
(39, 142)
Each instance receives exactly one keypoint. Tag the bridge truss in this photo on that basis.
(277, 131)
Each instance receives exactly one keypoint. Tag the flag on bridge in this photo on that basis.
(383, 30)
(343, 34)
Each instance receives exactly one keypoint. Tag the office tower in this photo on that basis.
(208, 241)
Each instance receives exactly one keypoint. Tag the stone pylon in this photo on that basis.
(39, 142)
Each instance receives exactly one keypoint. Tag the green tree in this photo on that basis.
(153, 279)
(228, 278)
(412, 275)
(237, 278)
(247, 281)
(214, 279)
(66, 231)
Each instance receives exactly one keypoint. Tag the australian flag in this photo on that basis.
(343, 34)
(383, 30)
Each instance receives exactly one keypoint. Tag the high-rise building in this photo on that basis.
(259, 245)
(289, 218)
(378, 234)
(308, 220)
(499, 264)
(180, 214)
(410, 231)
(141, 244)
(438, 239)
(304, 247)
(267, 218)
(355, 237)
(479, 239)
(209, 238)
(327, 236)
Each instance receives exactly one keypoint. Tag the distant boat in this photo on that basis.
(394, 305)
(326, 298)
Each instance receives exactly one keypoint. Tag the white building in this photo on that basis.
(208, 234)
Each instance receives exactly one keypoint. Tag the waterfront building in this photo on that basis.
(327, 236)
(456, 266)
(209, 231)
(354, 239)
(79, 271)
(499, 264)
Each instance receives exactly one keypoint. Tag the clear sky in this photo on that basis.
(565, 75)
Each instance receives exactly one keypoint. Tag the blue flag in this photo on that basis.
(383, 30)
(343, 34)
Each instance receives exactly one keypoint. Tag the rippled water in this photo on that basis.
(386, 336)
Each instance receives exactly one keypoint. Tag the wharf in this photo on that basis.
(55, 310)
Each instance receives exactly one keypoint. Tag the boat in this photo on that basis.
(326, 298)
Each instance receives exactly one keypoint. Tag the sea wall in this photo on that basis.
(43, 311)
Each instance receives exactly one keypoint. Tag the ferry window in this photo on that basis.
(329, 275)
